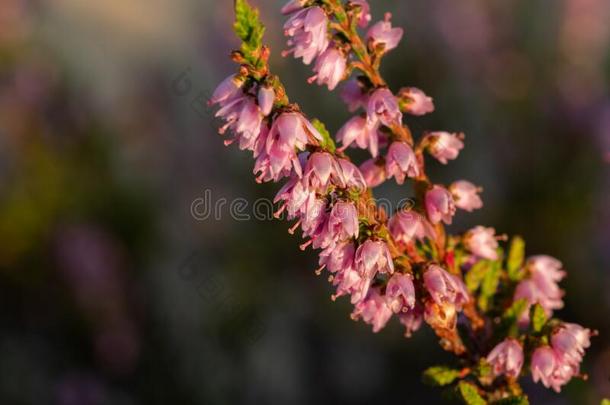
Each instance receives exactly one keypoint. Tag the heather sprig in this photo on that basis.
(488, 304)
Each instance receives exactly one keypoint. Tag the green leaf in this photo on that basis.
(518, 400)
(605, 402)
(475, 275)
(470, 394)
(512, 315)
(440, 375)
(489, 285)
(327, 142)
(516, 255)
(249, 29)
(538, 317)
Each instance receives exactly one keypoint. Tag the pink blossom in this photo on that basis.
(482, 242)
(466, 195)
(226, 90)
(343, 221)
(570, 342)
(244, 117)
(318, 170)
(292, 6)
(406, 226)
(373, 257)
(439, 205)
(382, 33)
(330, 68)
(445, 288)
(351, 282)
(266, 97)
(445, 146)
(308, 31)
(313, 218)
(353, 96)
(338, 258)
(548, 368)
(383, 107)
(357, 130)
(374, 174)
(542, 285)
(506, 358)
(412, 319)
(400, 292)
(373, 310)
(415, 101)
(401, 162)
(365, 12)
(347, 175)
(294, 195)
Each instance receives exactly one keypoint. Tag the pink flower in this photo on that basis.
(382, 33)
(353, 96)
(226, 90)
(406, 226)
(295, 195)
(365, 12)
(542, 285)
(570, 342)
(374, 174)
(350, 282)
(445, 288)
(383, 107)
(266, 97)
(343, 221)
(415, 101)
(330, 68)
(373, 257)
(244, 117)
(439, 205)
(412, 319)
(338, 258)
(506, 358)
(348, 175)
(292, 6)
(466, 195)
(401, 162)
(373, 310)
(278, 158)
(400, 293)
(482, 242)
(543, 365)
(318, 170)
(445, 146)
(357, 130)
(308, 31)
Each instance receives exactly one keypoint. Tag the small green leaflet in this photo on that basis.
(440, 375)
(249, 29)
(470, 394)
(489, 285)
(327, 142)
(475, 275)
(538, 317)
(520, 400)
(514, 263)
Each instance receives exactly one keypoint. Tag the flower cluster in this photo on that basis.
(401, 264)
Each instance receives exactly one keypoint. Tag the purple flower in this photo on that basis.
(348, 175)
(356, 130)
(307, 30)
(550, 369)
(415, 101)
(383, 107)
(318, 170)
(439, 205)
(373, 310)
(374, 174)
(570, 342)
(244, 118)
(365, 12)
(445, 146)
(226, 90)
(330, 68)
(382, 33)
(482, 242)
(400, 293)
(353, 96)
(339, 258)
(542, 285)
(466, 195)
(343, 221)
(292, 6)
(506, 358)
(412, 319)
(406, 226)
(401, 162)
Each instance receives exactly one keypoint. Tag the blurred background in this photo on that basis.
(125, 280)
